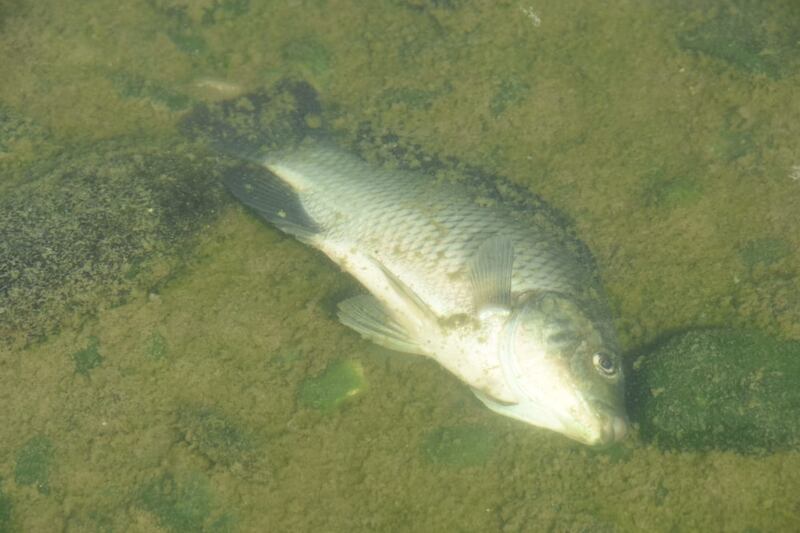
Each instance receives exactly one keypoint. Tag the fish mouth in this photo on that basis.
(595, 423)
(614, 429)
(607, 428)
(612, 426)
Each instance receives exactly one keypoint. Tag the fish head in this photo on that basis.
(564, 370)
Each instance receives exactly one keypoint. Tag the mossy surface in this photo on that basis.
(77, 227)
(745, 35)
(88, 358)
(157, 346)
(765, 251)
(308, 54)
(185, 503)
(5, 512)
(216, 436)
(665, 132)
(132, 86)
(460, 446)
(669, 189)
(22, 142)
(719, 389)
(33, 464)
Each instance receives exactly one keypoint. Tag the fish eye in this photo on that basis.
(604, 364)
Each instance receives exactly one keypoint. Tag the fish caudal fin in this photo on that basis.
(272, 198)
(367, 316)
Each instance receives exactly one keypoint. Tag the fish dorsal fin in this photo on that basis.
(367, 316)
(490, 274)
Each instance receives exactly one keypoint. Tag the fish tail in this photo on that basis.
(248, 129)
(271, 198)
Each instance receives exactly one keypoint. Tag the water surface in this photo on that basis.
(189, 374)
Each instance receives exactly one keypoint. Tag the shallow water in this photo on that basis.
(198, 379)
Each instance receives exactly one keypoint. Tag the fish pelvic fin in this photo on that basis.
(369, 318)
(271, 198)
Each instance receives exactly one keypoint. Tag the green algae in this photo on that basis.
(509, 93)
(187, 39)
(719, 389)
(222, 10)
(744, 35)
(668, 190)
(157, 347)
(620, 102)
(411, 97)
(340, 381)
(184, 503)
(180, 28)
(459, 446)
(5, 512)
(132, 86)
(765, 251)
(309, 54)
(89, 358)
(33, 463)
(22, 142)
(216, 436)
(733, 145)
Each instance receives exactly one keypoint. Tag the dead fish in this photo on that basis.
(505, 304)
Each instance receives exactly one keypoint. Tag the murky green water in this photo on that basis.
(169, 363)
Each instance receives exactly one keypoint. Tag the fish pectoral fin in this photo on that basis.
(368, 317)
(412, 303)
(272, 198)
(490, 274)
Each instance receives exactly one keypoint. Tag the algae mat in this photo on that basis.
(171, 364)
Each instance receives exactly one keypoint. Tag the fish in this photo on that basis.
(505, 300)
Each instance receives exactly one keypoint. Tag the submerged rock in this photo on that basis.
(82, 230)
(719, 389)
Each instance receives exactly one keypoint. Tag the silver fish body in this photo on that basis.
(507, 304)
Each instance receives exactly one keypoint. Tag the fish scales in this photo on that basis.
(424, 232)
